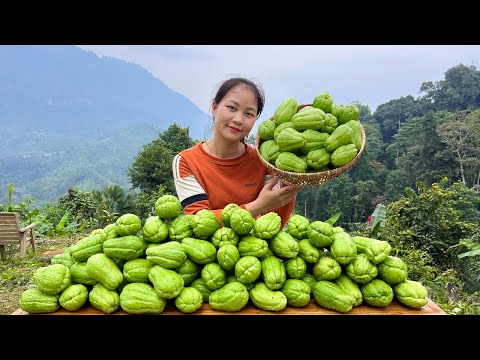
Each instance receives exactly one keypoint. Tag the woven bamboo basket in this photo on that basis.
(311, 178)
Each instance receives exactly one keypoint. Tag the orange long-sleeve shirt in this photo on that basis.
(203, 181)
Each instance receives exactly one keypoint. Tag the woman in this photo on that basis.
(224, 170)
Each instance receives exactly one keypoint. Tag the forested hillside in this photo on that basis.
(409, 140)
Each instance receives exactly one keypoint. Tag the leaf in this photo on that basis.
(470, 244)
(469, 253)
(61, 225)
(375, 230)
(10, 190)
(332, 220)
(83, 226)
(378, 216)
(410, 193)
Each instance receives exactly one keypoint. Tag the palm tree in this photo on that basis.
(112, 202)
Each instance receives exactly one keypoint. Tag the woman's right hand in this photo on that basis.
(272, 197)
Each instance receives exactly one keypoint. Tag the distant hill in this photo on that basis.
(71, 118)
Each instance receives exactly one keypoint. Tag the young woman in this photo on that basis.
(224, 170)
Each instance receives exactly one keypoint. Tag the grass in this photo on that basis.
(16, 272)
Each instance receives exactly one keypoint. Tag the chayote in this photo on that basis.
(103, 299)
(214, 276)
(189, 300)
(189, 271)
(377, 293)
(227, 256)
(155, 230)
(297, 226)
(248, 269)
(128, 224)
(167, 283)
(392, 270)
(181, 227)
(267, 226)
(52, 279)
(297, 292)
(35, 301)
(205, 225)
(232, 297)
(411, 293)
(227, 212)
(266, 299)
(168, 207)
(223, 236)
(241, 221)
(73, 297)
(141, 298)
(296, 267)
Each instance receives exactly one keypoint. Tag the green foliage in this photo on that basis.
(378, 219)
(360, 229)
(354, 200)
(421, 266)
(335, 197)
(153, 165)
(89, 165)
(393, 114)
(112, 202)
(8, 207)
(466, 202)
(70, 214)
(80, 204)
(145, 202)
(333, 219)
(428, 220)
(461, 134)
(468, 253)
(375, 146)
(51, 222)
(13, 275)
(176, 138)
(458, 91)
(22, 208)
(468, 305)
(418, 154)
(63, 228)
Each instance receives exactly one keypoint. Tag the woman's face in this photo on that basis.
(236, 113)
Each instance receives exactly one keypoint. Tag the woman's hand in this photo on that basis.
(271, 197)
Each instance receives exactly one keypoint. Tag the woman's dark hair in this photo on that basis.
(228, 84)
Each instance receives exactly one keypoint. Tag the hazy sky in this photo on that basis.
(370, 74)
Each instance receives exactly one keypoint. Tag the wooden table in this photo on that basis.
(395, 308)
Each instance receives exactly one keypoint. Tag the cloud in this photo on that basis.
(370, 74)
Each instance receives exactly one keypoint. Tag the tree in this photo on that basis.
(366, 116)
(461, 133)
(176, 138)
(394, 113)
(112, 202)
(81, 204)
(152, 167)
(151, 171)
(459, 91)
(427, 219)
(419, 152)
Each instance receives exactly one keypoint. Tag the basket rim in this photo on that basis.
(311, 178)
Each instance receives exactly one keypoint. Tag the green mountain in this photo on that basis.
(69, 118)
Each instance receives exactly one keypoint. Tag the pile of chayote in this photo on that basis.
(189, 260)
